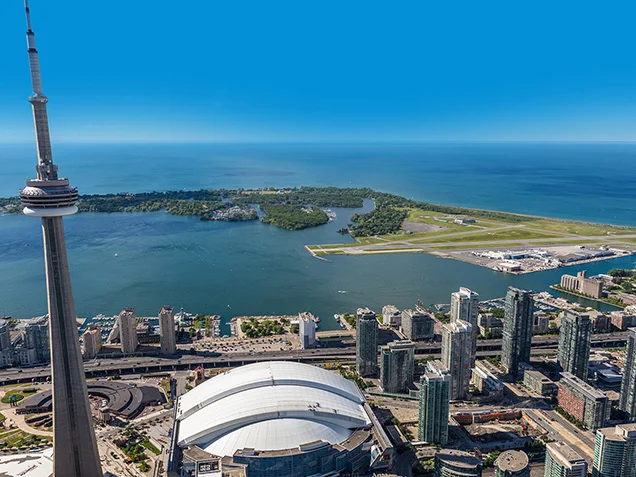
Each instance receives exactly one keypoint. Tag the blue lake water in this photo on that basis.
(261, 269)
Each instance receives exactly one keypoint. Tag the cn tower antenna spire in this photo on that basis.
(46, 169)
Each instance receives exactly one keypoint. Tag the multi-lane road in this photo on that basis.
(136, 365)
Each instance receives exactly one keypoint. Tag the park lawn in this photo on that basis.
(151, 447)
(12, 392)
(566, 242)
(428, 217)
(507, 234)
(464, 247)
(19, 438)
(580, 228)
(623, 240)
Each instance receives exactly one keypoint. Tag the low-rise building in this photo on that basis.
(623, 319)
(513, 463)
(489, 325)
(586, 404)
(391, 316)
(539, 383)
(417, 325)
(541, 323)
(486, 382)
(456, 463)
(306, 330)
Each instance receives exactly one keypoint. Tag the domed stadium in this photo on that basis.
(278, 419)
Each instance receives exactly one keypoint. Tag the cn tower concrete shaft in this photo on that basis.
(74, 445)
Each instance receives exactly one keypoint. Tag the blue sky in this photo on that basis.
(209, 70)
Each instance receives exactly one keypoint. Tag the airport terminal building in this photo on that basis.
(276, 419)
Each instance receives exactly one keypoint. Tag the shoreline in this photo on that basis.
(574, 293)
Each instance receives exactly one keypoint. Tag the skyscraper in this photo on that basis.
(128, 330)
(366, 342)
(517, 330)
(167, 335)
(627, 402)
(397, 366)
(432, 424)
(458, 355)
(615, 452)
(574, 344)
(36, 337)
(465, 306)
(6, 350)
(562, 461)
(50, 198)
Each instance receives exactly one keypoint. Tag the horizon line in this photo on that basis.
(328, 142)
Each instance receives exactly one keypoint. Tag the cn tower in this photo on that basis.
(51, 197)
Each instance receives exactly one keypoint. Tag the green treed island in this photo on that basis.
(298, 208)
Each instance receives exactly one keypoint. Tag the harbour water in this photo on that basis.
(147, 260)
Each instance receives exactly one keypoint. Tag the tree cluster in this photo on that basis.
(294, 217)
(257, 329)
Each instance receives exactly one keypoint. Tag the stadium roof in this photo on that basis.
(268, 407)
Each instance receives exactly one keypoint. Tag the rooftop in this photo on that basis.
(458, 458)
(512, 460)
(620, 433)
(270, 406)
(563, 453)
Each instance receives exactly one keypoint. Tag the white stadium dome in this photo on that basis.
(270, 406)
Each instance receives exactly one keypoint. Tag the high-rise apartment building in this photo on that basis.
(455, 463)
(391, 316)
(92, 341)
(35, 336)
(366, 342)
(5, 337)
(512, 463)
(465, 306)
(585, 403)
(627, 401)
(128, 330)
(615, 452)
(397, 366)
(458, 355)
(417, 325)
(574, 343)
(167, 333)
(562, 461)
(517, 330)
(434, 406)
(6, 350)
